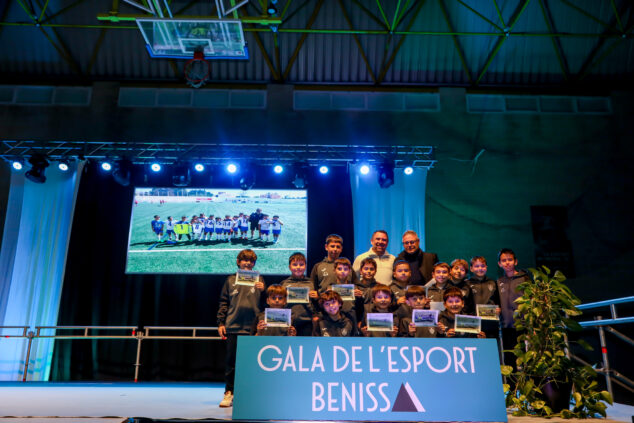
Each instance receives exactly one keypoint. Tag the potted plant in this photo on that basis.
(547, 381)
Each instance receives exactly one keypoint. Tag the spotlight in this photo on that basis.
(300, 181)
(408, 170)
(63, 165)
(121, 172)
(271, 9)
(199, 167)
(180, 175)
(323, 169)
(278, 169)
(38, 164)
(364, 169)
(232, 168)
(17, 165)
(155, 167)
(386, 174)
(106, 166)
(247, 178)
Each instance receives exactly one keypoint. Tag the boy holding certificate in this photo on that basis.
(416, 321)
(381, 303)
(485, 292)
(240, 302)
(332, 321)
(401, 273)
(271, 322)
(454, 324)
(350, 294)
(435, 288)
(367, 270)
(302, 296)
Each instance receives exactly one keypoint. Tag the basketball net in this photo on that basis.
(197, 70)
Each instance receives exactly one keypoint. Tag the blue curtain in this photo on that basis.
(33, 258)
(395, 209)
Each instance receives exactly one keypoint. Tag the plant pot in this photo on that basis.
(557, 395)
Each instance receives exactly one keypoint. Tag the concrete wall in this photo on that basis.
(580, 161)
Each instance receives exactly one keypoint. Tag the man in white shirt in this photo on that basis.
(384, 260)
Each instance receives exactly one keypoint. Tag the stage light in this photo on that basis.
(364, 169)
(180, 175)
(408, 170)
(106, 166)
(278, 169)
(199, 167)
(271, 9)
(155, 167)
(232, 168)
(38, 164)
(17, 165)
(300, 181)
(323, 169)
(247, 178)
(121, 171)
(386, 174)
(63, 165)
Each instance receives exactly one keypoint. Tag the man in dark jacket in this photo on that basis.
(254, 219)
(421, 263)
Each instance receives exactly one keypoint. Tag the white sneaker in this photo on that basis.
(227, 401)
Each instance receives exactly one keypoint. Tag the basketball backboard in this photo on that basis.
(178, 38)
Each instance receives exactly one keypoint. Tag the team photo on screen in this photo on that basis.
(200, 230)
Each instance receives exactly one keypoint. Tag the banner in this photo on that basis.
(378, 379)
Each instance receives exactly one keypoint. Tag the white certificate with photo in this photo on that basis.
(346, 291)
(436, 305)
(247, 277)
(467, 324)
(424, 318)
(380, 322)
(280, 317)
(297, 294)
(487, 311)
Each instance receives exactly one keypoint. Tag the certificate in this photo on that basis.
(423, 318)
(487, 311)
(346, 291)
(380, 322)
(297, 294)
(437, 305)
(247, 277)
(280, 317)
(467, 324)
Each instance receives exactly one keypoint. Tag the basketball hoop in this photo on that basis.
(197, 70)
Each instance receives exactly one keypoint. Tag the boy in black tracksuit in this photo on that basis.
(508, 288)
(459, 270)
(415, 300)
(302, 313)
(275, 298)
(323, 273)
(454, 304)
(401, 273)
(435, 289)
(381, 303)
(332, 321)
(367, 270)
(485, 291)
(352, 309)
(238, 307)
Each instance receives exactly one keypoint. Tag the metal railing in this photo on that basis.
(603, 326)
(197, 333)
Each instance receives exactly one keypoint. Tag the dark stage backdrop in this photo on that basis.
(97, 292)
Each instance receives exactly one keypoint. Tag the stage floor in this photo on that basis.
(103, 402)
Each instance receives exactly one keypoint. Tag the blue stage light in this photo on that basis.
(408, 170)
(232, 168)
(106, 166)
(278, 169)
(63, 165)
(323, 169)
(17, 165)
(364, 169)
(199, 167)
(155, 167)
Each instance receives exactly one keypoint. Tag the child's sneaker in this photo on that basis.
(227, 401)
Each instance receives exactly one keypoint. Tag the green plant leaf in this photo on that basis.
(538, 404)
(606, 397)
(585, 345)
(577, 397)
(506, 370)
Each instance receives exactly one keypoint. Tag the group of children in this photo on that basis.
(327, 314)
(202, 228)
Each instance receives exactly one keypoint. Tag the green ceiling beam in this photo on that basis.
(497, 9)
(456, 42)
(561, 58)
(480, 15)
(502, 39)
(302, 39)
(369, 13)
(357, 42)
(378, 3)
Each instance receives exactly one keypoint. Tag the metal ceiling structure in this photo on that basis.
(216, 154)
(581, 44)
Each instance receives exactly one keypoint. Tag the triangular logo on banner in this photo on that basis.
(406, 400)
